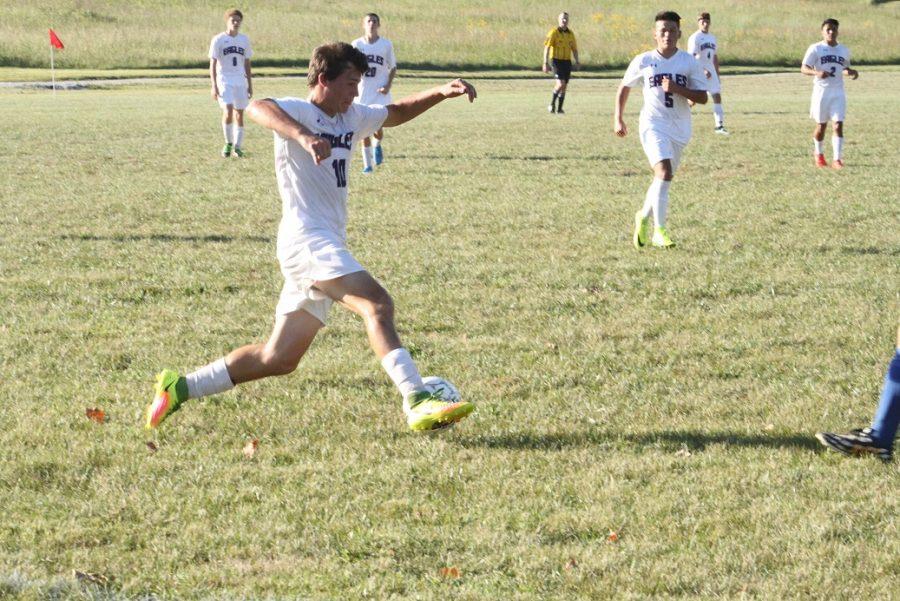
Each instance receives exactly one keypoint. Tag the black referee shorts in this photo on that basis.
(562, 70)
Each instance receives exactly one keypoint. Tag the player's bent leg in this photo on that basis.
(227, 118)
(362, 294)
(238, 132)
(818, 138)
(368, 155)
(663, 172)
(280, 354)
(379, 153)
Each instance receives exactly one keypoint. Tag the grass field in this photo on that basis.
(107, 34)
(667, 397)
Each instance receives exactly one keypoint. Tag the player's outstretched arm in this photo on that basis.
(618, 122)
(267, 113)
(412, 106)
(695, 96)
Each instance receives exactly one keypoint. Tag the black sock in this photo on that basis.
(553, 102)
(562, 97)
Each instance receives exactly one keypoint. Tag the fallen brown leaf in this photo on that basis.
(92, 578)
(152, 446)
(96, 414)
(451, 572)
(250, 448)
(571, 564)
(613, 536)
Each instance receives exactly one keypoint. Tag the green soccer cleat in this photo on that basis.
(641, 230)
(238, 152)
(171, 392)
(661, 238)
(427, 411)
(226, 151)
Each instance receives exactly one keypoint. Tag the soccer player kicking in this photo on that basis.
(827, 61)
(232, 81)
(559, 50)
(671, 78)
(702, 45)
(375, 87)
(878, 439)
(314, 141)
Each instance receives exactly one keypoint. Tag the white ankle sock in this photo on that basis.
(652, 193)
(226, 128)
(238, 135)
(837, 145)
(661, 202)
(208, 380)
(368, 156)
(402, 370)
(819, 146)
(719, 114)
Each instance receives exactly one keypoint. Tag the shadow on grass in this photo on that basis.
(164, 238)
(672, 440)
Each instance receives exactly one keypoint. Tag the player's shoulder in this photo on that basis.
(218, 36)
(695, 35)
(358, 42)
(242, 37)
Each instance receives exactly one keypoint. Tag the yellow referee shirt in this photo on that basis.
(561, 44)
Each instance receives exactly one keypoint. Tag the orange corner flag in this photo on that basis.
(54, 40)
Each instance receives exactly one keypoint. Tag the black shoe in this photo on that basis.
(559, 111)
(551, 108)
(855, 442)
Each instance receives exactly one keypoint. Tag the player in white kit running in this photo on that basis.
(314, 142)
(670, 78)
(704, 46)
(375, 87)
(827, 61)
(232, 81)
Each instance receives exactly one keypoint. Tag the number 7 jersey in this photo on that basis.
(833, 59)
(665, 112)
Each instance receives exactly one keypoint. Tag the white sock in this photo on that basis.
(226, 127)
(650, 197)
(837, 145)
(238, 135)
(719, 114)
(368, 156)
(819, 146)
(376, 141)
(208, 380)
(661, 202)
(403, 371)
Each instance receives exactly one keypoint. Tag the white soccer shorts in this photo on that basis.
(713, 85)
(236, 96)
(828, 106)
(312, 258)
(658, 146)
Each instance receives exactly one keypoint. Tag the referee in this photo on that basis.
(560, 48)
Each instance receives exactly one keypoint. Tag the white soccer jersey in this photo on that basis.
(703, 47)
(230, 54)
(665, 112)
(833, 59)
(314, 197)
(380, 55)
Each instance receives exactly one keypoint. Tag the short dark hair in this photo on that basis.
(668, 15)
(830, 22)
(377, 18)
(233, 12)
(703, 17)
(332, 60)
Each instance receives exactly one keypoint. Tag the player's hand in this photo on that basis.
(214, 92)
(668, 85)
(823, 74)
(385, 90)
(853, 73)
(576, 66)
(249, 91)
(545, 68)
(318, 148)
(620, 128)
(708, 74)
(458, 87)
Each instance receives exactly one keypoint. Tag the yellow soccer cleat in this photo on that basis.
(427, 411)
(171, 392)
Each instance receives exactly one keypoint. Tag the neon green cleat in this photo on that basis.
(171, 392)
(641, 230)
(238, 152)
(427, 411)
(226, 151)
(661, 238)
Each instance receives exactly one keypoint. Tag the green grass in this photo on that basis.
(670, 397)
(106, 34)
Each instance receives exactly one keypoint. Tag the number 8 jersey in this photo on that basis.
(832, 59)
(230, 53)
(665, 112)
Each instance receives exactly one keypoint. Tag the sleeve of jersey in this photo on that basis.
(294, 107)
(692, 44)
(847, 66)
(392, 60)
(249, 50)
(370, 118)
(633, 75)
(809, 59)
(574, 44)
(548, 42)
(213, 54)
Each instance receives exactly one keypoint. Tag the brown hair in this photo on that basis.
(703, 17)
(332, 60)
(668, 15)
(231, 12)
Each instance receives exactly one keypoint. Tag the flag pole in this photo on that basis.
(52, 70)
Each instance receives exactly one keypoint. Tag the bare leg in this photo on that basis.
(291, 337)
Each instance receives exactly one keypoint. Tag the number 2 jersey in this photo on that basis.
(667, 113)
(833, 59)
(314, 197)
(230, 53)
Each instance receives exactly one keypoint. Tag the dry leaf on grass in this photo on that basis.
(92, 578)
(452, 572)
(152, 446)
(96, 414)
(250, 448)
(613, 536)
(571, 564)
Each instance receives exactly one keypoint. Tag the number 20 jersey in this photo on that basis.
(667, 113)
(833, 59)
